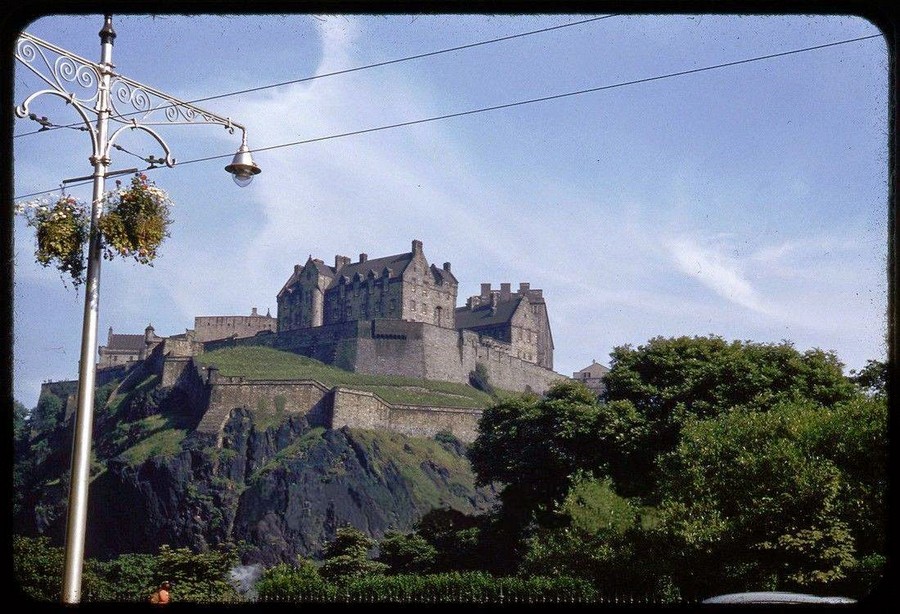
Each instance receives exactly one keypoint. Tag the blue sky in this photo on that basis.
(749, 202)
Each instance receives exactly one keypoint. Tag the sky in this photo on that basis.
(749, 201)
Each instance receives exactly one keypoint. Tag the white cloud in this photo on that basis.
(718, 272)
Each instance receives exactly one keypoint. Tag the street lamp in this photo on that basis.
(62, 71)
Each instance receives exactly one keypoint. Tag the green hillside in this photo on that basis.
(261, 363)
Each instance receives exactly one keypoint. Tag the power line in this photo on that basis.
(359, 68)
(680, 73)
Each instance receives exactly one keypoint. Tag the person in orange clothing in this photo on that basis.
(161, 595)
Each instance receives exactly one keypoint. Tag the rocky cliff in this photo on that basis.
(278, 484)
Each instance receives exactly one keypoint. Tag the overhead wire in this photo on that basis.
(357, 68)
(671, 75)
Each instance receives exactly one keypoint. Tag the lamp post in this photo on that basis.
(63, 72)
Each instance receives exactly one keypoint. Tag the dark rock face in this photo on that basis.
(284, 489)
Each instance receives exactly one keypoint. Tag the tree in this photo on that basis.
(347, 556)
(294, 583)
(48, 413)
(128, 577)
(872, 378)
(480, 379)
(407, 553)
(792, 498)
(198, 577)
(458, 540)
(20, 421)
(671, 380)
(536, 447)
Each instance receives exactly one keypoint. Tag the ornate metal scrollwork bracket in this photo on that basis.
(132, 105)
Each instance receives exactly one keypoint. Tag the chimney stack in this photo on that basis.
(363, 257)
(416, 247)
(505, 292)
(340, 262)
(447, 266)
(253, 312)
(485, 292)
(523, 288)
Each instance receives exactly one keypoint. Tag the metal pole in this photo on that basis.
(87, 369)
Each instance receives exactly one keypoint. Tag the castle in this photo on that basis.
(393, 315)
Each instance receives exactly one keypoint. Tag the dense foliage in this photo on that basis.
(302, 584)
(195, 577)
(796, 500)
(347, 556)
(715, 466)
(671, 380)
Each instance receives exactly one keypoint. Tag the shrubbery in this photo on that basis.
(303, 584)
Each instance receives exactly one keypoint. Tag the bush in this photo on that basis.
(299, 583)
(479, 379)
(303, 585)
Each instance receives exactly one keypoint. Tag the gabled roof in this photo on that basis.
(443, 276)
(481, 316)
(323, 269)
(294, 278)
(397, 264)
(134, 343)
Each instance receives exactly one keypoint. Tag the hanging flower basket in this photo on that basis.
(135, 220)
(62, 229)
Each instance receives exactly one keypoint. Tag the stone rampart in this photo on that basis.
(410, 349)
(365, 410)
(272, 397)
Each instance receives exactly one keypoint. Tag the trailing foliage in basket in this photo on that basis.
(135, 220)
(62, 229)
(134, 223)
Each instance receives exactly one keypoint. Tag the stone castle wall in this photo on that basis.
(365, 410)
(269, 397)
(331, 408)
(207, 328)
(408, 349)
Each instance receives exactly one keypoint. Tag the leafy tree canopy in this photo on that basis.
(537, 446)
(792, 498)
(670, 380)
(347, 556)
(407, 553)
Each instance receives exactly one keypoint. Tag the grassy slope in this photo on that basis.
(255, 363)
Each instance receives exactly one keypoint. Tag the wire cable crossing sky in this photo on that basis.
(491, 108)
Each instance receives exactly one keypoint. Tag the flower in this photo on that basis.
(136, 220)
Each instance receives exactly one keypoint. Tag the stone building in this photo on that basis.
(405, 287)
(209, 328)
(592, 377)
(399, 287)
(519, 319)
(121, 350)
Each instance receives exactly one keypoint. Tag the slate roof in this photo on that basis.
(443, 276)
(323, 268)
(134, 343)
(397, 264)
(481, 316)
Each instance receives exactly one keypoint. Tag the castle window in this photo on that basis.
(412, 305)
